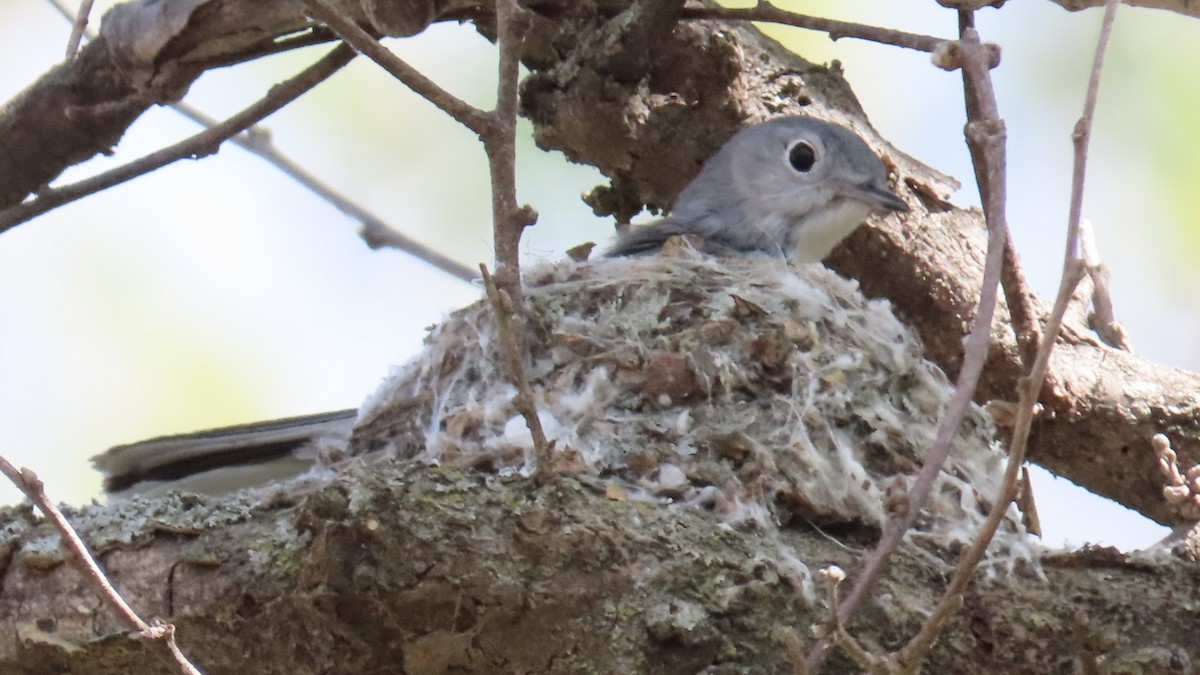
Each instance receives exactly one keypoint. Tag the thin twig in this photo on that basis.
(33, 488)
(497, 131)
(469, 116)
(78, 26)
(985, 137)
(1103, 319)
(1020, 308)
(1027, 502)
(508, 323)
(204, 143)
(1073, 271)
(508, 220)
(374, 230)
(836, 630)
(766, 12)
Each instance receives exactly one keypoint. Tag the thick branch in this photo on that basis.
(146, 53)
(85, 561)
(472, 573)
(1103, 406)
(203, 143)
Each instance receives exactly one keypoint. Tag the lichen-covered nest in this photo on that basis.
(767, 393)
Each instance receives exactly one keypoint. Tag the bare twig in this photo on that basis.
(508, 220)
(1103, 319)
(1020, 309)
(1080, 138)
(765, 11)
(836, 630)
(988, 159)
(374, 230)
(497, 131)
(985, 137)
(78, 26)
(469, 116)
(1028, 503)
(199, 145)
(509, 322)
(1073, 271)
(33, 488)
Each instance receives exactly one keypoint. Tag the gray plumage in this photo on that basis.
(791, 186)
(222, 460)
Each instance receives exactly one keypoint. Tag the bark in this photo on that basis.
(648, 119)
(651, 135)
(147, 53)
(432, 571)
(407, 569)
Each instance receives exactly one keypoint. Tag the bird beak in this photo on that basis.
(881, 198)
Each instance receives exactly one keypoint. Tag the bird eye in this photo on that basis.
(802, 156)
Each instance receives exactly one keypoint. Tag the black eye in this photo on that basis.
(802, 156)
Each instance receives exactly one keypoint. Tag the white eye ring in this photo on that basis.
(801, 156)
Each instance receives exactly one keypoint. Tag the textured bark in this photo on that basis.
(406, 569)
(1104, 403)
(431, 572)
(147, 53)
(651, 136)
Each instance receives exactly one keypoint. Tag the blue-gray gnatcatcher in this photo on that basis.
(791, 186)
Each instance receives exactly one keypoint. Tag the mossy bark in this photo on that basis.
(398, 568)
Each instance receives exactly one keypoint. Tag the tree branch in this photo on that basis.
(374, 231)
(384, 566)
(204, 143)
(78, 26)
(1184, 7)
(986, 136)
(928, 266)
(35, 491)
(469, 116)
(766, 12)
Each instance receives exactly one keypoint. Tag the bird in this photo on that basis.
(226, 459)
(791, 187)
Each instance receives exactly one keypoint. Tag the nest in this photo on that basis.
(767, 394)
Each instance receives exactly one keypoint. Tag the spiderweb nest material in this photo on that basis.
(766, 393)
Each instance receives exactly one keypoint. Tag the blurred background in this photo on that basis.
(219, 291)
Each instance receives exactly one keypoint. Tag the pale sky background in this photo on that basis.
(219, 291)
